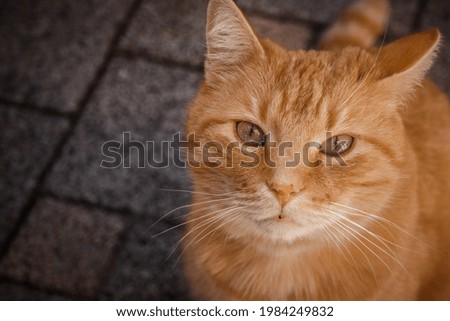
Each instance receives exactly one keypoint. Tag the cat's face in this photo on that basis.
(291, 187)
(297, 98)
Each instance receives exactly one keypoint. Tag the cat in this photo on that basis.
(366, 216)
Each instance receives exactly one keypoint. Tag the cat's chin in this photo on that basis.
(284, 230)
(290, 232)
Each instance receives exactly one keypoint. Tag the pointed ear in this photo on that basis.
(406, 61)
(229, 37)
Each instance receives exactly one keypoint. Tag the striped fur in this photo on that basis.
(360, 25)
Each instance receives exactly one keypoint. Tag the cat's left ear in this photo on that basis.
(229, 37)
(406, 61)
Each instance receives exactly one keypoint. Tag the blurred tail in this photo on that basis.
(359, 25)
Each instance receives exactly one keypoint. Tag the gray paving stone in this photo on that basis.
(63, 247)
(172, 30)
(326, 11)
(146, 269)
(27, 142)
(15, 292)
(322, 11)
(147, 100)
(437, 14)
(402, 18)
(289, 35)
(51, 50)
(175, 30)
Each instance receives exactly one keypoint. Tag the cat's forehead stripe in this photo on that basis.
(269, 106)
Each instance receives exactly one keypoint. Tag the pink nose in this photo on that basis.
(283, 192)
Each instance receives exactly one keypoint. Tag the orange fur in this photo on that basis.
(375, 229)
(359, 25)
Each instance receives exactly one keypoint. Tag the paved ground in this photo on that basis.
(75, 74)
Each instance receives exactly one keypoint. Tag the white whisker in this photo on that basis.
(356, 245)
(197, 193)
(379, 238)
(187, 206)
(206, 225)
(220, 226)
(189, 221)
(211, 220)
(335, 241)
(378, 217)
(355, 234)
(376, 220)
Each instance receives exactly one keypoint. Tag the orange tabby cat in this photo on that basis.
(347, 196)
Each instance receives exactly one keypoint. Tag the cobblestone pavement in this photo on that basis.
(75, 74)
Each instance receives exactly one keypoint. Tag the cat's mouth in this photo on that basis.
(283, 228)
(281, 219)
(290, 224)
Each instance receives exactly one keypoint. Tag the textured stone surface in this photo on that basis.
(27, 142)
(146, 269)
(402, 17)
(438, 15)
(63, 247)
(312, 10)
(50, 50)
(172, 30)
(289, 35)
(15, 292)
(147, 100)
(326, 11)
(175, 30)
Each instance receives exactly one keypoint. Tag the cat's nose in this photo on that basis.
(284, 192)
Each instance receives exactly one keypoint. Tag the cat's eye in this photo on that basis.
(337, 145)
(250, 133)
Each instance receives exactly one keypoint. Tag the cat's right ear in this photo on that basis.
(230, 39)
(406, 61)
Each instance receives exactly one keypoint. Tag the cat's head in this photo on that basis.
(293, 134)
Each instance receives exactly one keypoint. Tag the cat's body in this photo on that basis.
(376, 228)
